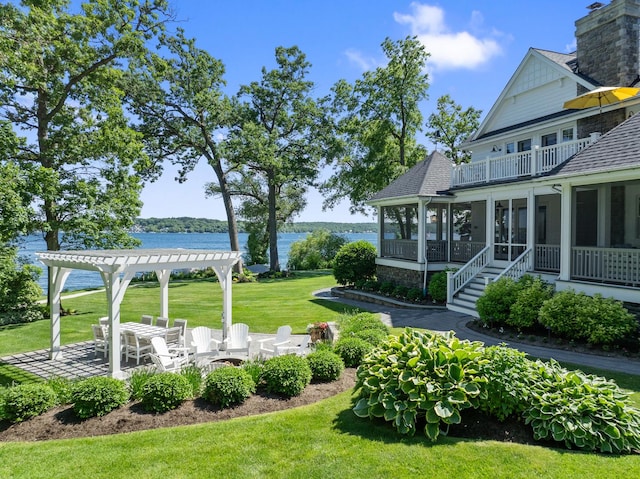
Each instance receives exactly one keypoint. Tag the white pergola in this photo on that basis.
(117, 268)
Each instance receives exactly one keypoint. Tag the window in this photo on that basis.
(510, 148)
(550, 139)
(567, 134)
(524, 145)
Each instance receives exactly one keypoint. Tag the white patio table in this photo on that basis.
(146, 331)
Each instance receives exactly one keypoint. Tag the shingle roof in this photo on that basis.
(617, 149)
(426, 178)
(565, 60)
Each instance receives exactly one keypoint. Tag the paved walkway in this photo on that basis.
(444, 320)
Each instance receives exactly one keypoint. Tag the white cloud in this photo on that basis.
(449, 50)
(360, 60)
(571, 47)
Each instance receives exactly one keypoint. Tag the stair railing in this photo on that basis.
(519, 267)
(458, 279)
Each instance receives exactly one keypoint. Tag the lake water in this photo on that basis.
(216, 241)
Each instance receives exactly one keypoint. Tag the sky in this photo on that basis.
(475, 47)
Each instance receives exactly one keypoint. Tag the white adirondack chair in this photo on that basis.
(272, 346)
(202, 344)
(301, 350)
(166, 359)
(238, 340)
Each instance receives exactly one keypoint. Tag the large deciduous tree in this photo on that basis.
(378, 118)
(183, 113)
(276, 142)
(450, 125)
(61, 90)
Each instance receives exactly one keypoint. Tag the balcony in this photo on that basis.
(516, 165)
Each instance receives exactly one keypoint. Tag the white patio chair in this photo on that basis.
(238, 340)
(301, 350)
(165, 358)
(135, 346)
(271, 346)
(146, 319)
(172, 337)
(103, 321)
(100, 340)
(162, 322)
(202, 344)
(182, 324)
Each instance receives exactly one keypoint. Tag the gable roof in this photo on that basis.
(564, 66)
(618, 149)
(427, 178)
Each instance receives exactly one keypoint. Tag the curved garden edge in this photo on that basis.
(61, 422)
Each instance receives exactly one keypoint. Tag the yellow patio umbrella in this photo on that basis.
(604, 95)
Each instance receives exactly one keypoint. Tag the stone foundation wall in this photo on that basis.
(404, 277)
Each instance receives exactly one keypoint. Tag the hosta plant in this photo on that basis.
(583, 411)
(420, 375)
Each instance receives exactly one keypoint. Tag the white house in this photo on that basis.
(549, 190)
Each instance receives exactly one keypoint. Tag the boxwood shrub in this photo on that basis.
(165, 391)
(526, 308)
(494, 306)
(438, 286)
(98, 396)
(286, 375)
(352, 350)
(228, 386)
(349, 324)
(325, 365)
(25, 401)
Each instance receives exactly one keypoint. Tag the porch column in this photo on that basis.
(225, 277)
(422, 241)
(490, 226)
(565, 232)
(57, 277)
(531, 226)
(380, 231)
(163, 278)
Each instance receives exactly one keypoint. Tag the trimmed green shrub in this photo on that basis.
(372, 336)
(524, 312)
(137, 380)
(255, 366)
(400, 291)
(25, 401)
(494, 306)
(583, 411)
(349, 324)
(193, 375)
(387, 287)
(228, 386)
(286, 375)
(437, 286)
(63, 388)
(165, 391)
(370, 285)
(595, 319)
(420, 375)
(98, 396)
(352, 350)
(415, 294)
(325, 365)
(355, 261)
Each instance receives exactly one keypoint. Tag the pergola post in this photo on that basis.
(225, 276)
(163, 276)
(57, 279)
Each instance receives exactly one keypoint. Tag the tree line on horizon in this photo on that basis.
(206, 225)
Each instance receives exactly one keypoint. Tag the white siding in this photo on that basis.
(538, 90)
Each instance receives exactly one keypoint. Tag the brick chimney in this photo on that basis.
(608, 43)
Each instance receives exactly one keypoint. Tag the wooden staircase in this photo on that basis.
(465, 301)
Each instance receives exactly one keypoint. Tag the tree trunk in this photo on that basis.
(272, 226)
(232, 223)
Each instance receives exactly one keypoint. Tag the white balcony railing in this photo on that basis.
(611, 265)
(547, 257)
(515, 165)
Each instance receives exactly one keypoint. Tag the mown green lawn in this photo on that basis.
(323, 440)
(263, 305)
